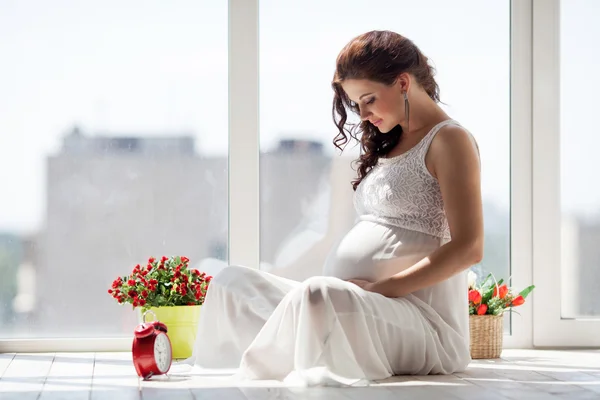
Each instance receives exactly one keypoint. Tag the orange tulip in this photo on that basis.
(503, 291)
(517, 301)
(482, 309)
(474, 296)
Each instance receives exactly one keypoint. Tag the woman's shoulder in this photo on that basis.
(455, 139)
(453, 145)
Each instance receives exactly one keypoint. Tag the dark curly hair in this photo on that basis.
(379, 56)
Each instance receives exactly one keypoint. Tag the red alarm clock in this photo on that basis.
(152, 352)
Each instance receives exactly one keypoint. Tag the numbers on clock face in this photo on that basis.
(162, 352)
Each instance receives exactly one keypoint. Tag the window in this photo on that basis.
(113, 149)
(305, 185)
(579, 143)
(114, 140)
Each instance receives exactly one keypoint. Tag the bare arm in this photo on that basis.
(453, 159)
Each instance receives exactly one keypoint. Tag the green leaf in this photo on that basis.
(160, 300)
(487, 295)
(486, 279)
(525, 292)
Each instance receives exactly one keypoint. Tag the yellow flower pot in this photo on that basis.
(182, 325)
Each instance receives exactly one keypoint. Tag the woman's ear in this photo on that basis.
(403, 82)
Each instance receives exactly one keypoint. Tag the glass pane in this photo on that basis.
(579, 162)
(113, 149)
(306, 197)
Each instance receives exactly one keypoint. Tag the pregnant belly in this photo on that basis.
(373, 251)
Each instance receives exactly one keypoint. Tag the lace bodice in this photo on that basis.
(401, 192)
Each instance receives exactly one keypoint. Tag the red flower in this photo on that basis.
(474, 296)
(141, 286)
(503, 291)
(519, 300)
(481, 309)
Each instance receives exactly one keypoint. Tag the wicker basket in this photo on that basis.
(486, 336)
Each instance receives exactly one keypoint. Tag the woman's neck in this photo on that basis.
(424, 113)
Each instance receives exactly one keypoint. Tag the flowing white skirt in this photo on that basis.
(325, 329)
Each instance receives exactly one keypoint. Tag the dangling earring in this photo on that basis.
(406, 109)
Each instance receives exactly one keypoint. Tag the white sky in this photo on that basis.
(160, 67)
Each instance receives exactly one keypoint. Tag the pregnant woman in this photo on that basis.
(393, 296)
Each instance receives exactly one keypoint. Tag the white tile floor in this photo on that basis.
(519, 375)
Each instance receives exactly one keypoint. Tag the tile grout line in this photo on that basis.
(527, 384)
(574, 383)
(92, 380)
(46, 377)
(542, 374)
(8, 365)
(442, 389)
(478, 383)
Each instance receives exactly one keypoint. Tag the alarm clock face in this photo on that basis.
(162, 352)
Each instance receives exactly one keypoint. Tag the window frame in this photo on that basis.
(551, 329)
(244, 150)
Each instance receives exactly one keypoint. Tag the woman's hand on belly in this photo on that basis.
(366, 285)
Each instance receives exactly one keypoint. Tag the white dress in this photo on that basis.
(326, 330)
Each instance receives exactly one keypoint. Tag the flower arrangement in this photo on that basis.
(493, 297)
(161, 283)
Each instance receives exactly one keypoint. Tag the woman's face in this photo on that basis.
(381, 105)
